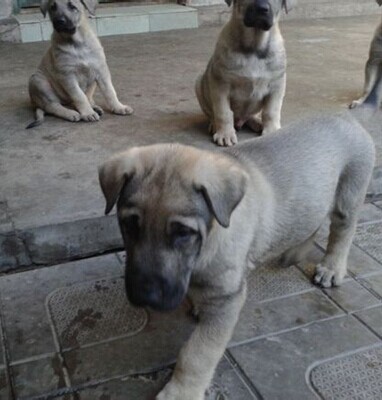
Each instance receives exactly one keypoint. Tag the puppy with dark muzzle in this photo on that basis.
(72, 68)
(192, 220)
(246, 75)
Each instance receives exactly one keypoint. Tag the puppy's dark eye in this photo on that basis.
(72, 7)
(181, 234)
(131, 226)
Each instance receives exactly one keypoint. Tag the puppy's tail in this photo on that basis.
(38, 120)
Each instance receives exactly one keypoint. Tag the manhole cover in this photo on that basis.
(355, 377)
(94, 311)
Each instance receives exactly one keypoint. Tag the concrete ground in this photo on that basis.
(51, 207)
(66, 330)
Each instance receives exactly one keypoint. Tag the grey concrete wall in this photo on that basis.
(6, 7)
(9, 28)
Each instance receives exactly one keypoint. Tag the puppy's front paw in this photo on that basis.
(73, 116)
(91, 117)
(225, 137)
(328, 277)
(175, 391)
(122, 109)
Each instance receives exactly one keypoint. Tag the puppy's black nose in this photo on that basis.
(60, 21)
(262, 8)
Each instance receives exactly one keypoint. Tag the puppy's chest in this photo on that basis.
(252, 79)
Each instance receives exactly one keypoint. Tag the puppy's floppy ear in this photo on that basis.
(114, 173)
(223, 185)
(229, 2)
(287, 5)
(44, 7)
(90, 5)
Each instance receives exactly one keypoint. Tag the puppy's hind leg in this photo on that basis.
(60, 111)
(371, 77)
(89, 94)
(350, 196)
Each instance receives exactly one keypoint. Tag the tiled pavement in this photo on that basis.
(68, 333)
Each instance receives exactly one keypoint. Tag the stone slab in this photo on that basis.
(374, 283)
(92, 312)
(369, 238)
(351, 296)
(277, 366)
(38, 377)
(155, 347)
(372, 318)
(4, 386)
(353, 377)
(110, 21)
(77, 239)
(23, 298)
(227, 385)
(264, 319)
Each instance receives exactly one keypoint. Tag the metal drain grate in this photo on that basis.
(268, 282)
(355, 377)
(94, 311)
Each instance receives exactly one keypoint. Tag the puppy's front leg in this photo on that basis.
(106, 86)
(271, 114)
(223, 118)
(79, 98)
(199, 357)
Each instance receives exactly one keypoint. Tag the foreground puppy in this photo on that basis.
(247, 72)
(372, 92)
(72, 67)
(191, 220)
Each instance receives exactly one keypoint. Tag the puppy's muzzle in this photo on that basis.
(63, 25)
(156, 291)
(259, 15)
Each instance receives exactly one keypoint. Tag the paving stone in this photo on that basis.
(362, 264)
(374, 282)
(38, 377)
(82, 238)
(353, 377)
(23, 296)
(369, 238)
(351, 296)
(13, 252)
(4, 387)
(156, 346)
(271, 281)
(369, 213)
(92, 312)
(277, 365)
(258, 319)
(372, 318)
(226, 385)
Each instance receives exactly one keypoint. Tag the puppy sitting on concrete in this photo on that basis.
(72, 67)
(247, 72)
(191, 220)
(372, 93)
